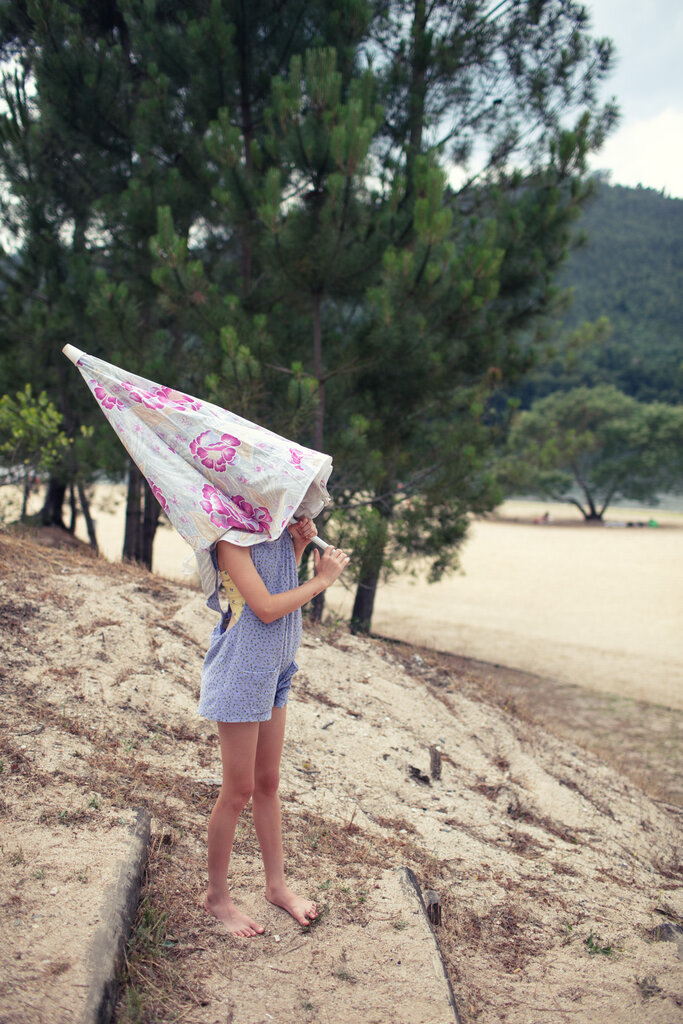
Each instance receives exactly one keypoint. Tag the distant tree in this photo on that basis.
(31, 439)
(597, 443)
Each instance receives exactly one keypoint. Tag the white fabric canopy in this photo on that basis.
(216, 475)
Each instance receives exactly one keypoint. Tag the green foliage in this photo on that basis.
(31, 435)
(597, 443)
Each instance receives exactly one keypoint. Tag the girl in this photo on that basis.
(245, 687)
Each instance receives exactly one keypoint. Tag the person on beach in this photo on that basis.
(245, 687)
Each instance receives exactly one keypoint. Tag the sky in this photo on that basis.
(646, 148)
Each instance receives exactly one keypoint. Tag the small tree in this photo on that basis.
(31, 439)
(597, 442)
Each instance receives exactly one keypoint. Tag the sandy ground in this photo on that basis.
(599, 607)
(557, 874)
(594, 606)
(602, 608)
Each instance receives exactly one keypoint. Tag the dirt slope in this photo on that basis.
(555, 871)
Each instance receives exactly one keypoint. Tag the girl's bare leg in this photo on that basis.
(238, 752)
(268, 820)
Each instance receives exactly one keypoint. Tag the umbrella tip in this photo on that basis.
(72, 353)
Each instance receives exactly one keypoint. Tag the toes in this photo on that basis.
(309, 915)
(248, 931)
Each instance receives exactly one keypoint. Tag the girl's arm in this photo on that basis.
(268, 607)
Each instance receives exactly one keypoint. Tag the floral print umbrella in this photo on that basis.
(216, 475)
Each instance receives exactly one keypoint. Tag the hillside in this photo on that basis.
(629, 269)
(555, 871)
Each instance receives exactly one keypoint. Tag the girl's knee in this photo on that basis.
(236, 794)
(267, 783)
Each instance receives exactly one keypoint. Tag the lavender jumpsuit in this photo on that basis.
(248, 668)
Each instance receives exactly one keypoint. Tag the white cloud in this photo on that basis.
(646, 152)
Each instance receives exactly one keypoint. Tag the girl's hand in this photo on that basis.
(330, 565)
(304, 530)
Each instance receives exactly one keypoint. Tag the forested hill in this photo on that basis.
(630, 270)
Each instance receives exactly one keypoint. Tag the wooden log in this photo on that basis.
(435, 761)
(433, 904)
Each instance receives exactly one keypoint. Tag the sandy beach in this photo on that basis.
(599, 607)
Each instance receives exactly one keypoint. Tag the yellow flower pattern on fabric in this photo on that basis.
(233, 595)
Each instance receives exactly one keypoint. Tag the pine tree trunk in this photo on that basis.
(371, 566)
(132, 541)
(318, 607)
(150, 521)
(319, 423)
(73, 508)
(318, 602)
(243, 42)
(364, 603)
(51, 512)
(142, 518)
(419, 65)
(90, 526)
(26, 494)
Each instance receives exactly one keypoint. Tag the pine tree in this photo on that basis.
(427, 304)
(464, 301)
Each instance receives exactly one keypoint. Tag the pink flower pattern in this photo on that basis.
(186, 444)
(296, 457)
(235, 512)
(178, 399)
(159, 495)
(215, 454)
(159, 397)
(146, 398)
(104, 398)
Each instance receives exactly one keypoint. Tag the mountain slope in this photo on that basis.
(629, 269)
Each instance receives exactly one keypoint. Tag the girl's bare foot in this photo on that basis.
(302, 910)
(234, 920)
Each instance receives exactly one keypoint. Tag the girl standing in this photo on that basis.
(245, 687)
